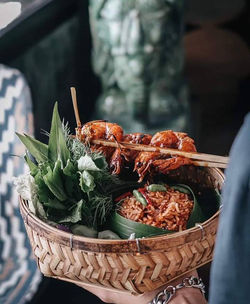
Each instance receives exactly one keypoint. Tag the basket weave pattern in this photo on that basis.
(134, 266)
(135, 273)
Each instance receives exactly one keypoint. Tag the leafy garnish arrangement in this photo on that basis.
(70, 186)
(73, 184)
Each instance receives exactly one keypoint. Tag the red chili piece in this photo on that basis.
(145, 195)
(123, 196)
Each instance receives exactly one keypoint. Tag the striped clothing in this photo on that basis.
(19, 276)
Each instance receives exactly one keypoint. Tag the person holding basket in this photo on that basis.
(229, 280)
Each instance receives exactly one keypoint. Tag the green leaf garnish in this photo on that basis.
(38, 149)
(100, 162)
(74, 215)
(69, 169)
(57, 148)
(43, 191)
(86, 163)
(87, 181)
(84, 231)
(53, 179)
(55, 204)
(108, 235)
(67, 172)
(33, 167)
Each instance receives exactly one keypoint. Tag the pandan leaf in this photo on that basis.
(53, 179)
(74, 215)
(33, 167)
(43, 191)
(125, 227)
(38, 149)
(57, 148)
(69, 169)
(70, 178)
(55, 204)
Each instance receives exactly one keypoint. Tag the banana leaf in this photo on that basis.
(196, 215)
(125, 227)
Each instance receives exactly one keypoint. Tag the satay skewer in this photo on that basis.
(199, 159)
(209, 164)
(74, 100)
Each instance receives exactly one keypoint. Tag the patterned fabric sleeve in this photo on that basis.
(19, 276)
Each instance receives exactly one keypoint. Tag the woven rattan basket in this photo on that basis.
(133, 266)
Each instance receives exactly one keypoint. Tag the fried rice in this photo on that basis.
(165, 209)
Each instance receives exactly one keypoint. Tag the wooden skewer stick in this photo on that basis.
(74, 99)
(209, 164)
(214, 159)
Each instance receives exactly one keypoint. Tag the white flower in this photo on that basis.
(26, 187)
(86, 163)
(22, 184)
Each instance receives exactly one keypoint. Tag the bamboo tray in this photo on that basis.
(134, 266)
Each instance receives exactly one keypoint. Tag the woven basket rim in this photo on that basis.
(124, 245)
(95, 244)
(31, 215)
(134, 266)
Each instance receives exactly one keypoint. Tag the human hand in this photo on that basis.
(183, 296)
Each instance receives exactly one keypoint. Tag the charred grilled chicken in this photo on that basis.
(144, 163)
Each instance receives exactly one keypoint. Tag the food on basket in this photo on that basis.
(125, 158)
(99, 129)
(148, 162)
(156, 209)
(163, 208)
(73, 189)
(116, 157)
(144, 163)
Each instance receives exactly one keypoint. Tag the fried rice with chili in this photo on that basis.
(165, 209)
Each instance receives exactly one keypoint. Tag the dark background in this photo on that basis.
(50, 44)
